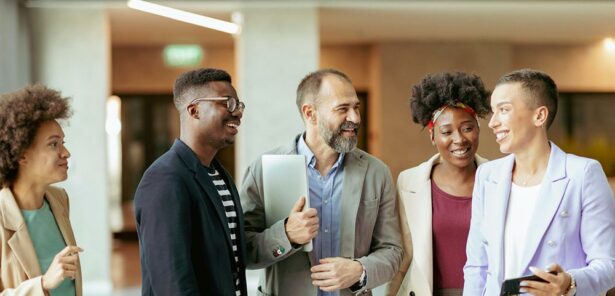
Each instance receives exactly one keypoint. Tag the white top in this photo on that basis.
(520, 209)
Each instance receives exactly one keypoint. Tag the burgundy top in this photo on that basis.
(450, 227)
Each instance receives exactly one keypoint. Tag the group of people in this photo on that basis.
(456, 224)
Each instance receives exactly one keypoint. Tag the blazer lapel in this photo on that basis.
(204, 180)
(60, 212)
(61, 216)
(419, 212)
(355, 168)
(551, 194)
(20, 242)
(498, 205)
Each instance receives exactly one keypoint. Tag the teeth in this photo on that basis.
(460, 152)
(233, 125)
(500, 135)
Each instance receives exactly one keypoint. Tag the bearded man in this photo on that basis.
(353, 220)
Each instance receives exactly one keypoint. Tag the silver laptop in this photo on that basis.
(284, 181)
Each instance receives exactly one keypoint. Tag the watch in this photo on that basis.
(358, 286)
(572, 289)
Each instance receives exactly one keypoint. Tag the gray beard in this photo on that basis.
(335, 139)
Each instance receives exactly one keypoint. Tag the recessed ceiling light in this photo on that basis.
(184, 16)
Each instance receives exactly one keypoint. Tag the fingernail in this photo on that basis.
(523, 283)
(522, 290)
(533, 269)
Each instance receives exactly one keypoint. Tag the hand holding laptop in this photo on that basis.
(285, 179)
(302, 224)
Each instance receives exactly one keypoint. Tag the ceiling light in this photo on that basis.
(184, 16)
(609, 44)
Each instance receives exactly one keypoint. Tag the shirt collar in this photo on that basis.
(303, 149)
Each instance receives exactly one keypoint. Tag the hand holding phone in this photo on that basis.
(512, 286)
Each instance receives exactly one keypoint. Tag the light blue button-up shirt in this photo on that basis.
(326, 198)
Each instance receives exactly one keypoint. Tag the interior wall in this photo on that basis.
(353, 60)
(141, 70)
(403, 144)
(388, 70)
(574, 67)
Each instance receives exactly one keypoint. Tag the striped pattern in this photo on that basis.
(231, 216)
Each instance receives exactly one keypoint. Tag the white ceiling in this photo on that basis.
(343, 21)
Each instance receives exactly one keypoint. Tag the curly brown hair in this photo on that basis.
(21, 114)
(436, 90)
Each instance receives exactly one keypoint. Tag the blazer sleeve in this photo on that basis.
(162, 207)
(31, 287)
(394, 286)
(597, 233)
(475, 269)
(386, 249)
(262, 242)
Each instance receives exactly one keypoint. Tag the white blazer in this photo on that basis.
(415, 276)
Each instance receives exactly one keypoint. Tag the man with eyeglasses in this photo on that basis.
(189, 216)
(353, 219)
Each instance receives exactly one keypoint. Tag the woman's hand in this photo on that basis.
(64, 265)
(556, 284)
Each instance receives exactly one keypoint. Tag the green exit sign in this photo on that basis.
(182, 55)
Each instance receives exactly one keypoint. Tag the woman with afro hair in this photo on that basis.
(37, 246)
(435, 198)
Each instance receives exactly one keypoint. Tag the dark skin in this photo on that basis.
(207, 126)
(455, 136)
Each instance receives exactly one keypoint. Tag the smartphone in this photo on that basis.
(511, 286)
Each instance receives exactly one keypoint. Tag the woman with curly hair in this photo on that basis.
(37, 245)
(435, 197)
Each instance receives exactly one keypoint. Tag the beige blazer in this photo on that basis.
(415, 276)
(369, 228)
(20, 273)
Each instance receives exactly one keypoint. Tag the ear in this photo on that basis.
(192, 111)
(309, 113)
(540, 116)
(22, 160)
(433, 143)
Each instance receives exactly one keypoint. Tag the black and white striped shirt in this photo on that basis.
(231, 217)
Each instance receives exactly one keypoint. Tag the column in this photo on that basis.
(71, 53)
(275, 50)
(14, 48)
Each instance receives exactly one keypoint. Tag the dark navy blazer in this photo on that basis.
(184, 237)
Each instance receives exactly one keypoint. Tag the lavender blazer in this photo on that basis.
(573, 225)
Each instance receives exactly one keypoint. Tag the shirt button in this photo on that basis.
(551, 243)
(326, 230)
(564, 214)
(326, 201)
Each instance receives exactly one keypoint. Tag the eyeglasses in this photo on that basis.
(232, 103)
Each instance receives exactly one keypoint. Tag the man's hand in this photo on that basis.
(556, 284)
(336, 273)
(301, 226)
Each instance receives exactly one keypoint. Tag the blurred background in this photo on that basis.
(118, 64)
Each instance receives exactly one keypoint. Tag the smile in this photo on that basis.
(461, 152)
(500, 135)
(233, 125)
